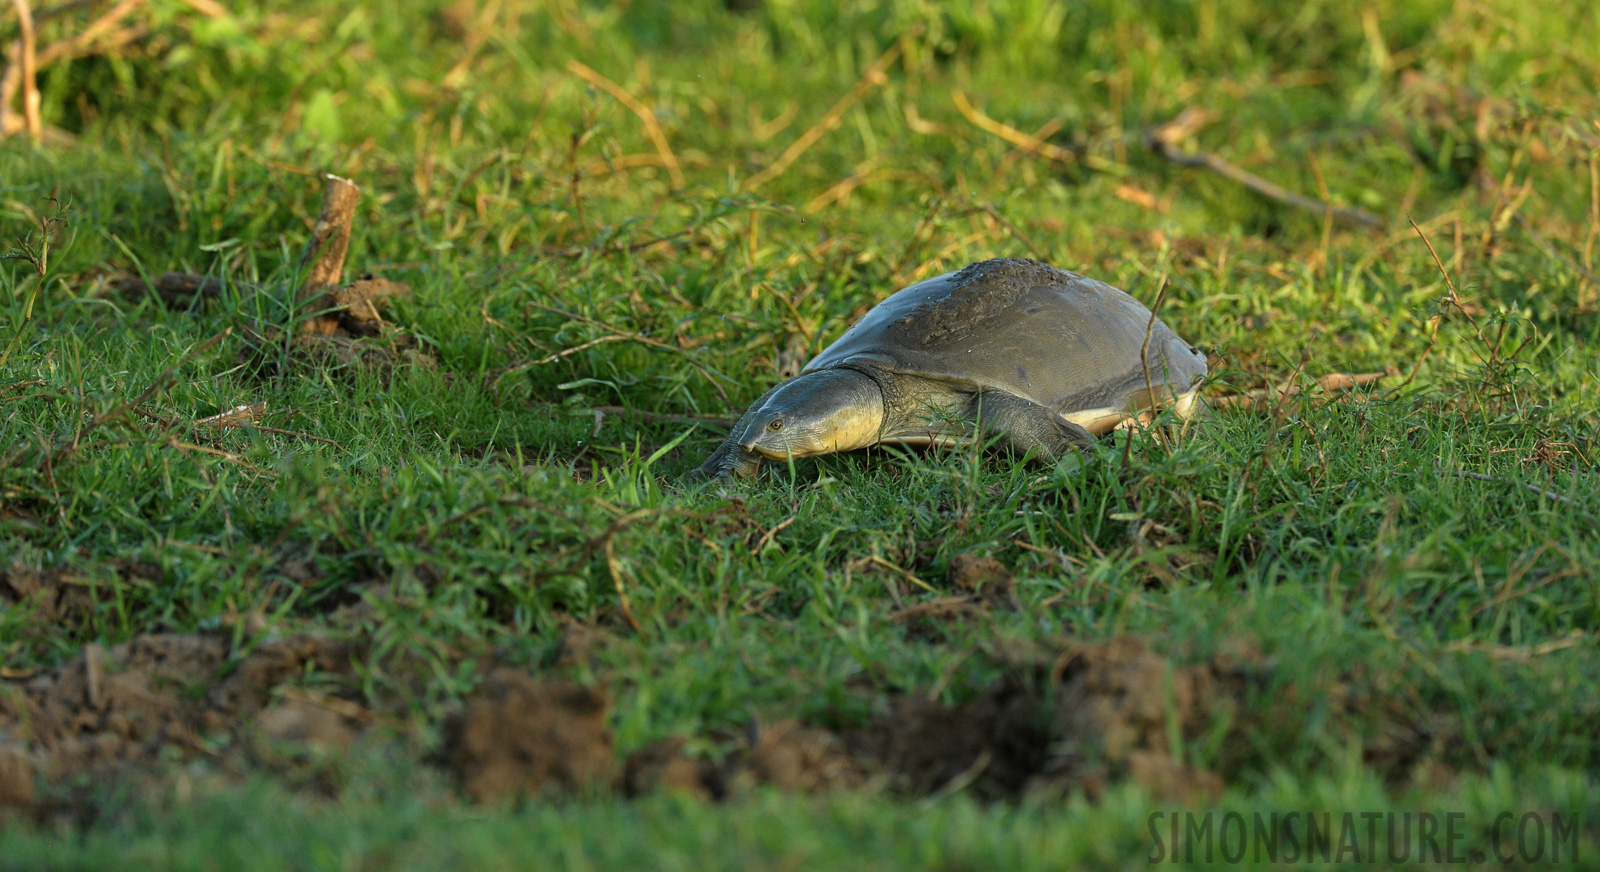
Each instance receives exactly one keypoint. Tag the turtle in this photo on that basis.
(1043, 358)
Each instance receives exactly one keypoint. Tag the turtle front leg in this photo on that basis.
(1026, 427)
(730, 460)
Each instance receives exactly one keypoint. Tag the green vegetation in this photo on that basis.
(1404, 573)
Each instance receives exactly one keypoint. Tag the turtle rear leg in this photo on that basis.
(1026, 427)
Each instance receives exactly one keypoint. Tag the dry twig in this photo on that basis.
(1547, 494)
(1453, 299)
(1163, 140)
(1332, 383)
(1144, 357)
(621, 336)
(322, 264)
(652, 126)
(1032, 145)
(28, 70)
(657, 418)
(872, 78)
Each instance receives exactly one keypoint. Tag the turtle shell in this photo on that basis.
(1064, 341)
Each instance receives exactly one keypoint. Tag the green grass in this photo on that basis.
(260, 827)
(1434, 619)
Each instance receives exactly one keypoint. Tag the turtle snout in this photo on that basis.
(770, 427)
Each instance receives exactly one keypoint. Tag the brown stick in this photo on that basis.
(1163, 139)
(872, 78)
(1337, 381)
(630, 337)
(1547, 494)
(29, 69)
(622, 590)
(208, 8)
(10, 80)
(1144, 357)
(658, 418)
(101, 26)
(323, 261)
(1551, 249)
(1031, 144)
(652, 126)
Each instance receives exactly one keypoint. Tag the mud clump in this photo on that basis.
(797, 758)
(518, 736)
(785, 755)
(16, 779)
(1116, 706)
(132, 705)
(1089, 715)
(316, 724)
(665, 766)
(1063, 721)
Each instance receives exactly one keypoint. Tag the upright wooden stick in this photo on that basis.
(323, 261)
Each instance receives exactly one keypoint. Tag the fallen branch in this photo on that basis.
(17, 386)
(1332, 383)
(238, 416)
(1164, 138)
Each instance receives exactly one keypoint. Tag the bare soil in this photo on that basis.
(113, 711)
(1072, 719)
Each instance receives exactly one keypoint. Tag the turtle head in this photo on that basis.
(817, 413)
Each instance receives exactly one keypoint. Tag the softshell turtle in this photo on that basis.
(1043, 358)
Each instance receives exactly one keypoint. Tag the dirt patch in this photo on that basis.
(793, 757)
(16, 778)
(943, 608)
(581, 642)
(665, 766)
(993, 744)
(970, 573)
(132, 705)
(53, 597)
(316, 724)
(518, 736)
(269, 351)
(1075, 720)
(1119, 707)
(1070, 719)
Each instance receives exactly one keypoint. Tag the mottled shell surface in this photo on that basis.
(1064, 341)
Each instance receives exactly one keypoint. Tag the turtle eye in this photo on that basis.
(775, 424)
